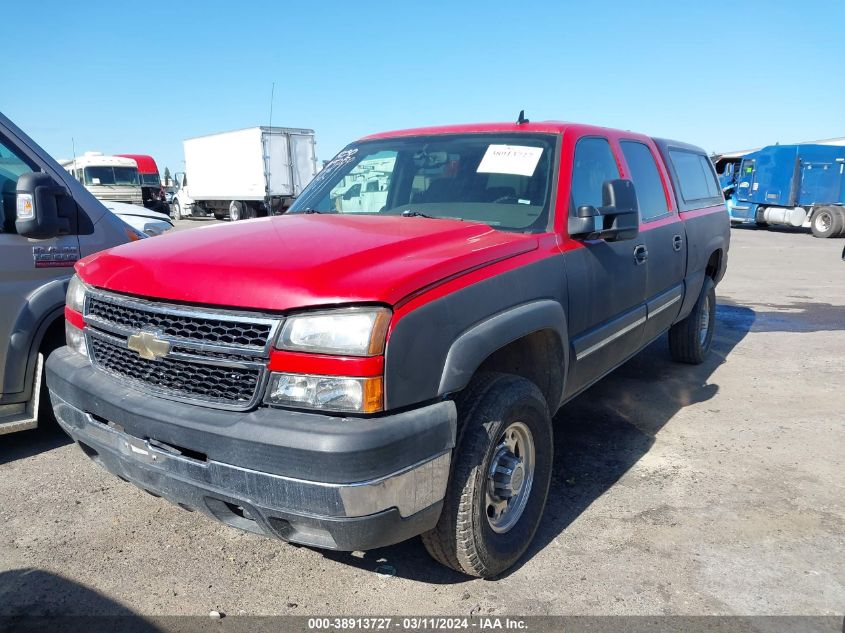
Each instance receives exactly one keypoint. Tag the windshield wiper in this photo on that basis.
(410, 213)
(309, 210)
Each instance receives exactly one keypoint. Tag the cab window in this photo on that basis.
(697, 178)
(651, 197)
(593, 165)
(11, 166)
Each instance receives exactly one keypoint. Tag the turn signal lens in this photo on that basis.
(75, 299)
(24, 209)
(75, 339)
(326, 393)
(133, 234)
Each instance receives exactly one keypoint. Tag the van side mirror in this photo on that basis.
(39, 199)
(619, 215)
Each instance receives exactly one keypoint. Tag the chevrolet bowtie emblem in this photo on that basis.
(148, 345)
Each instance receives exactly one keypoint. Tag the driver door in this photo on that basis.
(606, 281)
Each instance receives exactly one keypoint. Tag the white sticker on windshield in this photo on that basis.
(510, 159)
(95, 181)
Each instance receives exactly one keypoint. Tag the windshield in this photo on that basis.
(503, 180)
(150, 180)
(105, 175)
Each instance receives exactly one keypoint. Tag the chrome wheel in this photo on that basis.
(510, 477)
(823, 222)
(704, 322)
(234, 211)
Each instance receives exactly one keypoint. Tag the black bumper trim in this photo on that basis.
(244, 509)
(310, 446)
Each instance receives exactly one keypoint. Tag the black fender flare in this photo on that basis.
(42, 309)
(475, 344)
(694, 279)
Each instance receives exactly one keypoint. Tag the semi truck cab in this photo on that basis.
(792, 185)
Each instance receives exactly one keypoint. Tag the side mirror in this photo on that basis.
(38, 207)
(619, 215)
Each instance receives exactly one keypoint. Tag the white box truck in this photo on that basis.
(245, 173)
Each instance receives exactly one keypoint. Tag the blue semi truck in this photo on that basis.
(793, 185)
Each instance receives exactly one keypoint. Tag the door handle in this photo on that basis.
(640, 254)
(677, 242)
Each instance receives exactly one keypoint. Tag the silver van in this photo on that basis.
(48, 221)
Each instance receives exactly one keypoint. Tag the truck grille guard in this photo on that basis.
(215, 358)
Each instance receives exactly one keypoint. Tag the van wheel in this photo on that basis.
(690, 339)
(177, 210)
(500, 476)
(826, 222)
(236, 210)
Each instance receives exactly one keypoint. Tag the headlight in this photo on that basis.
(348, 332)
(331, 393)
(75, 294)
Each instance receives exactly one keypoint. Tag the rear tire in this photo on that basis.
(690, 339)
(249, 212)
(500, 477)
(827, 222)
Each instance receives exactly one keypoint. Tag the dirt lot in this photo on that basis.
(676, 490)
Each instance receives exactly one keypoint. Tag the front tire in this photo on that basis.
(841, 213)
(236, 210)
(177, 210)
(690, 339)
(826, 222)
(500, 477)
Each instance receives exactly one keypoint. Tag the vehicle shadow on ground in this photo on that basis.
(24, 444)
(599, 436)
(38, 600)
(771, 228)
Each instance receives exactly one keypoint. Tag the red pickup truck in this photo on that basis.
(357, 372)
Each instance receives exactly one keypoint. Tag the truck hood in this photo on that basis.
(295, 261)
(122, 209)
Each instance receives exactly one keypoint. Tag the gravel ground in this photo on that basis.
(676, 490)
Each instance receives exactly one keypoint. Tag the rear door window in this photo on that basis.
(651, 197)
(696, 178)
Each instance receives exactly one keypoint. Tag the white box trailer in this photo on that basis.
(245, 173)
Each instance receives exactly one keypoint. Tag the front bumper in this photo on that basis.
(332, 482)
(744, 212)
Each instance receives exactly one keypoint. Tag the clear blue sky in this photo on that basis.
(139, 77)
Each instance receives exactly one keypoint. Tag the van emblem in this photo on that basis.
(148, 345)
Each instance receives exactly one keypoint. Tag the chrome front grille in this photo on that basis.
(180, 323)
(215, 357)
